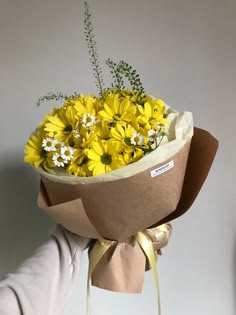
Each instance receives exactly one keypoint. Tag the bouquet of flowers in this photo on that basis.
(117, 168)
(90, 136)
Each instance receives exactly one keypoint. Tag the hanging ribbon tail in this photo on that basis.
(96, 253)
(146, 244)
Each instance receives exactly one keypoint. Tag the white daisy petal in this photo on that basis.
(88, 120)
(153, 135)
(137, 139)
(48, 144)
(67, 153)
(58, 160)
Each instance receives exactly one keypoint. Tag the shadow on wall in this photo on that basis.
(23, 226)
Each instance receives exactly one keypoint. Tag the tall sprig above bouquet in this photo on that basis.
(92, 48)
(118, 71)
(91, 135)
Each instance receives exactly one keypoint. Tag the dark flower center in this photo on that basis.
(43, 153)
(106, 159)
(116, 116)
(127, 140)
(84, 161)
(68, 128)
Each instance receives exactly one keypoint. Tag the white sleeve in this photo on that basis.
(43, 283)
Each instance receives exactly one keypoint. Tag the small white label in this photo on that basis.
(162, 169)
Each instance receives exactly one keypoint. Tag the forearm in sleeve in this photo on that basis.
(43, 283)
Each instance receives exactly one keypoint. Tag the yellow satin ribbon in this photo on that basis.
(145, 241)
(98, 250)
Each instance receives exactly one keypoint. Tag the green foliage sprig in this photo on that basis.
(123, 69)
(51, 96)
(133, 77)
(118, 82)
(92, 48)
(119, 71)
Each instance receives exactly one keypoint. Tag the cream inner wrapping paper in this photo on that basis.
(180, 132)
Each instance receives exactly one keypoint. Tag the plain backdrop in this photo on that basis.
(184, 51)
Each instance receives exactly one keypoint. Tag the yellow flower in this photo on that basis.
(123, 133)
(151, 114)
(78, 170)
(129, 136)
(86, 108)
(34, 152)
(87, 104)
(103, 130)
(78, 166)
(133, 156)
(86, 138)
(117, 110)
(48, 163)
(63, 125)
(134, 96)
(104, 156)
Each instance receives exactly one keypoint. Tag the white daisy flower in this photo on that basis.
(67, 153)
(58, 160)
(88, 120)
(153, 135)
(137, 139)
(48, 144)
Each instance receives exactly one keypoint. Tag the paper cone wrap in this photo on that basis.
(117, 205)
(117, 209)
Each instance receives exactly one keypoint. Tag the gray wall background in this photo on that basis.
(185, 52)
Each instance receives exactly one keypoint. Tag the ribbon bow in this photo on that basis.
(149, 240)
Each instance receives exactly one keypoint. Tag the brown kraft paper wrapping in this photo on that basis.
(123, 266)
(121, 208)
(118, 209)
